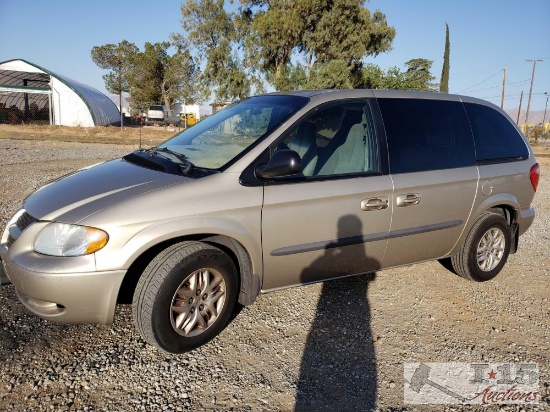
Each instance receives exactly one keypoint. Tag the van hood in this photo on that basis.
(78, 195)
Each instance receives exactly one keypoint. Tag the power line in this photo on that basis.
(514, 84)
(520, 81)
(483, 81)
(486, 88)
(508, 96)
(483, 72)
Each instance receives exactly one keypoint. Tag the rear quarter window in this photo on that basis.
(496, 139)
(426, 135)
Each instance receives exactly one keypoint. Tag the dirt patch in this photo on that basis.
(149, 135)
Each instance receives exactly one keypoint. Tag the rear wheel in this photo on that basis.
(185, 296)
(486, 249)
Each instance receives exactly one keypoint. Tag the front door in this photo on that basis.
(335, 220)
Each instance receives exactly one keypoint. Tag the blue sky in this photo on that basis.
(486, 36)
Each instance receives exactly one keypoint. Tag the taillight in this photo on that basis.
(534, 175)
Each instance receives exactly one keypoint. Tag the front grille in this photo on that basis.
(24, 221)
(11, 239)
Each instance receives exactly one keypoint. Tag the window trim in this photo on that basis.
(501, 160)
(248, 177)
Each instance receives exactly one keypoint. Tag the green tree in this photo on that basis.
(395, 79)
(444, 85)
(119, 59)
(291, 77)
(144, 80)
(270, 31)
(159, 77)
(343, 30)
(294, 44)
(334, 74)
(537, 133)
(372, 77)
(211, 31)
(327, 35)
(418, 75)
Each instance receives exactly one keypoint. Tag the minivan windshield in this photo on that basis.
(224, 136)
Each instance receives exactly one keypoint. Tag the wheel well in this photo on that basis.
(509, 213)
(505, 211)
(231, 247)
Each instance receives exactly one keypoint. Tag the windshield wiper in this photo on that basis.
(185, 165)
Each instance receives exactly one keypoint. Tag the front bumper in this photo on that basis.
(59, 289)
(3, 277)
(67, 297)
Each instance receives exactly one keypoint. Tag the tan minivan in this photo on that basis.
(276, 191)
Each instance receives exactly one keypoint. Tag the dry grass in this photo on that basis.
(111, 135)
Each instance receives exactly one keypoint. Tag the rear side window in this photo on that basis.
(426, 135)
(496, 139)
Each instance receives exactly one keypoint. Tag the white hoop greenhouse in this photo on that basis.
(32, 94)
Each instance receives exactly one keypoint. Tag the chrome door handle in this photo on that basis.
(374, 203)
(410, 199)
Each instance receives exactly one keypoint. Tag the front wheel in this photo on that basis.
(185, 296)
(486, 249)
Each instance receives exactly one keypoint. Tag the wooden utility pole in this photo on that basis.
(519, 110)
(531, 89)
(503, 88)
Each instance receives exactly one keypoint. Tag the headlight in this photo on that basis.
(60, 239)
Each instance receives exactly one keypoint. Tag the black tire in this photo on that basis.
(465, 263)
(155, 295)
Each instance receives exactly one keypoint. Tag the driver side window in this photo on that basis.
(337, 140)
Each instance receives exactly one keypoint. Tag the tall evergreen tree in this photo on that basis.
(444, 85)
(118, 58)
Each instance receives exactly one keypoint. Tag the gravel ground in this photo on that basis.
(334, 346)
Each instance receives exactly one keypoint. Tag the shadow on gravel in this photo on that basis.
(338, 369)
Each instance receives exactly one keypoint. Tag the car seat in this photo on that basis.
(306, 146)
(350, 156)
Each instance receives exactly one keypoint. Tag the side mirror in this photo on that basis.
(284, 162)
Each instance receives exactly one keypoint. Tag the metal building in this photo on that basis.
(32, 94)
